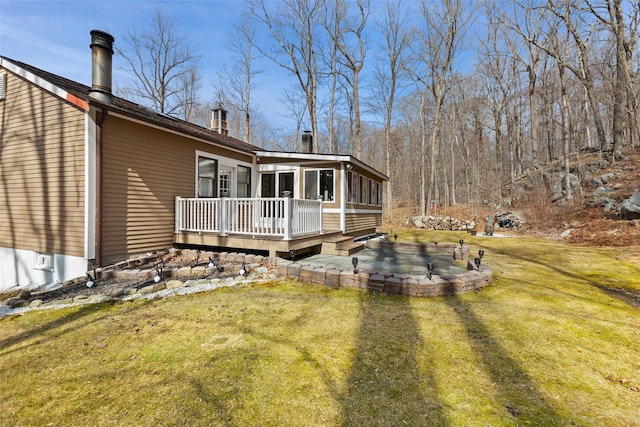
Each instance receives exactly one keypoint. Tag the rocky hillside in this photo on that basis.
(600, 212)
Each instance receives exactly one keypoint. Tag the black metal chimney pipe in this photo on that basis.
(307, 142)
(101, 66)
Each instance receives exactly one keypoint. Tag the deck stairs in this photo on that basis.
(341, 246)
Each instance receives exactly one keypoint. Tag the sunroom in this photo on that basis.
(298, 200)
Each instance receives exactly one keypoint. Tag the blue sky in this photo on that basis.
(54, 36)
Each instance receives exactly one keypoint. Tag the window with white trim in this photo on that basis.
(207, 174)
(225, 183)
(352, 187)
(274, 184)
(243, 179)
(319, 182)
(372, 193)
(364, 191)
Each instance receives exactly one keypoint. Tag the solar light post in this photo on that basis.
(159, 269)
(292, 252)
(91, 280)
(216, 262)
(430, 269)
(477, 261)
(354, 262)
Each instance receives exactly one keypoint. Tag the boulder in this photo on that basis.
(607, 177)
(557, 185)
(417, 221)
(594, 183)
(608, 204)
(508, 220)
(630, 208)
(16, 302)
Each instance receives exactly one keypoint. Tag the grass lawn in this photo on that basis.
(548, 343)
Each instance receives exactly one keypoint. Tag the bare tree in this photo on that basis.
(333, 15)
(349, 40)
(293, 27)
(527, 21)
(165, 67)
(438, 45)
(611, 14)
(238, 79)
(565, 11)
(389, 72)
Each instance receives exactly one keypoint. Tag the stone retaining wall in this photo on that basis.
(377, 281)
(259, 267)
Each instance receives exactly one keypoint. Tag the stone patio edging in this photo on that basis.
(177, 280)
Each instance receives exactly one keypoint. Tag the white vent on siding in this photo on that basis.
(44, 262)
(3, 86)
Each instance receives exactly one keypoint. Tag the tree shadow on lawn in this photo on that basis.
(61, 325)
(386, 385)
(516, 390)
(630, 297)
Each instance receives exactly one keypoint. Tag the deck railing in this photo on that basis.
(285, 217)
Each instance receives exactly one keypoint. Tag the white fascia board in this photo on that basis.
(274, 167)
(303, 156)
(322, 157)
(44, 84)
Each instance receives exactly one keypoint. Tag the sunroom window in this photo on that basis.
(352, 187)
(319, 183)
(364, 190)
(207, 173)
(243, 182)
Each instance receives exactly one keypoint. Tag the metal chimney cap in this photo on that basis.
(102, 39)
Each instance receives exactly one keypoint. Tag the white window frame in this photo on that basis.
(277, 173)
(372, 193)
(317, 170)
(363, 197)
(225, 164)
(353, 188)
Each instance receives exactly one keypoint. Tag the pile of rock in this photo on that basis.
(431, 222)
(509, 220)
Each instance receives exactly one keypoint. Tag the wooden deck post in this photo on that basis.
(223, 216)
(287, 218)
(320, 199)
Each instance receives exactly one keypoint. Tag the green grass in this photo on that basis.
(544, 345)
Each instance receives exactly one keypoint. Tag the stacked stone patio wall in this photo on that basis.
(378, 281)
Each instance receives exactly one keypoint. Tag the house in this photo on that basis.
(88, 179)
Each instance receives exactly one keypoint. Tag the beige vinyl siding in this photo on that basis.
(362, 222)
(41, 171)
(330, 221)
(144, 168)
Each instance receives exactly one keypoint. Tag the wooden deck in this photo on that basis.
(275, 246)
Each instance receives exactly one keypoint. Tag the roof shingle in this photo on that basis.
(138, 111)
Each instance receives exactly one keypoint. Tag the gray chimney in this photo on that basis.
(101, 56)
(307, 142)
